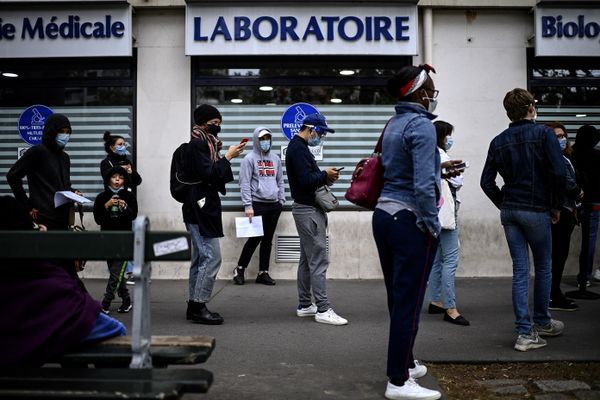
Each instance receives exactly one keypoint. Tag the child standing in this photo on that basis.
(114, 210)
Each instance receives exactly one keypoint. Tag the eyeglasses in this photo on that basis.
(435, 92)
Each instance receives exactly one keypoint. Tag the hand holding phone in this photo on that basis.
(244, 141)
(339, 169)
(462, 165)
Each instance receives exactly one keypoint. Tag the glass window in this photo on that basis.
(251, 91)
(96, 96)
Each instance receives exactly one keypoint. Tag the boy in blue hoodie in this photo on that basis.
(261, 184)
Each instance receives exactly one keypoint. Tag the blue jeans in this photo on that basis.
(206, 261)
(589, 234)
(443, 271)
(406, 254)
(524, 230)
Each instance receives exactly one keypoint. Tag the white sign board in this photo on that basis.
(88, 31)
(567, 32)
(361, 29)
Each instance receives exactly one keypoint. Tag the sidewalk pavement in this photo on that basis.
(265, 352)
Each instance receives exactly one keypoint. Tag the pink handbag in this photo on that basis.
(367, 179)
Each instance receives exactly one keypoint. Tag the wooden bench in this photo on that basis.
(140, 352)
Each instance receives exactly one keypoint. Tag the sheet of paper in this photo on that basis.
(243, 227)
(66, 196)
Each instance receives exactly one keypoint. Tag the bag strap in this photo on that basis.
(380, 141)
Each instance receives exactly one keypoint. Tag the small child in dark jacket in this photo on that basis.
(114, 210)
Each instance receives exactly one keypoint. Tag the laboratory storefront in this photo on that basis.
(256, 61)
(71, 58)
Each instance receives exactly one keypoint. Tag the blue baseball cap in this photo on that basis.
(318, 121)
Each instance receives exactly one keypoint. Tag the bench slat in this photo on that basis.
(104, 382)
(88, 245)
(165, 350)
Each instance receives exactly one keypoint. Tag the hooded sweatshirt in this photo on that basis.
(261, 175)
(48, 169)
(587, 162)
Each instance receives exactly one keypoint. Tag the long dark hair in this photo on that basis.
(442, 129)
(110, 140)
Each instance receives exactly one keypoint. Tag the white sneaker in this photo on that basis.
(411, 390)
(330, 317)
(418, 371)
(309, 311)
(596, 274)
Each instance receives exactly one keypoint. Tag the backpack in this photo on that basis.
(181, 180)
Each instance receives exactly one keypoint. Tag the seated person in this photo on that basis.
(44, 308)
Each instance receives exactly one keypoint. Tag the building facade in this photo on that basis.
(139, 68)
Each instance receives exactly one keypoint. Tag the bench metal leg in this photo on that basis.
(142, 270)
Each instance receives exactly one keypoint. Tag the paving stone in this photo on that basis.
(587, 395)
(514, 389)
(561, 386)
(552, 396)
(501, 382)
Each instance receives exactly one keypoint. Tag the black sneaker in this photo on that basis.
(125, 306)
(563, 305)
(105, 307)
(265, 279)
(238, 276)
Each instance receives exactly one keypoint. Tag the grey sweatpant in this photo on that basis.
(311, 224)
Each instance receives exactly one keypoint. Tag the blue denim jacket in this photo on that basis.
(411, 163)
(528, 158)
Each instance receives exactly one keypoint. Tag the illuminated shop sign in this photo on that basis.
(89, 32)
(364, 30)
(567, 32)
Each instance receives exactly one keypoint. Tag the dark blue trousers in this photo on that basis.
(406, 254)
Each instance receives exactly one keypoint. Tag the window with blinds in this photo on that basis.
(357, 129)
(85, 148)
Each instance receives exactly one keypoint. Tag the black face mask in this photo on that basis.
(213, 129)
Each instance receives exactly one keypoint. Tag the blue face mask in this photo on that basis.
(112, 189)
(449, 143)
(563, 143)
(121, 150)
(265, 145)
(62, 139)
(314, 140)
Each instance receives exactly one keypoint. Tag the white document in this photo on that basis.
(243, 227)
(170, 246)
(66, 196)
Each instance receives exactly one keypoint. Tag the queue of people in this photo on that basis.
(549, 186)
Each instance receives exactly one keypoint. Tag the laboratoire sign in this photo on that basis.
(58, 32)
(567, 32)
(301, 30)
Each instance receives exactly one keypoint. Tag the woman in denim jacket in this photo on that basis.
(405, 222)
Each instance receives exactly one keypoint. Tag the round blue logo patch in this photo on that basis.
(292, 118)
(31, 123)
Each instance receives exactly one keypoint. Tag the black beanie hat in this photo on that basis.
(204, 113)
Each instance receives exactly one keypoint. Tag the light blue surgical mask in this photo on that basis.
(265, 145)
(62, 139)
(121, 150)
(314, 140)
(563, 143)
(115, 191)
(449, 143)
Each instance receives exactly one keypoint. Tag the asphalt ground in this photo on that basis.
(263, 351)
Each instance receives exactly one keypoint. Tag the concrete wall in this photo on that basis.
(479, 56)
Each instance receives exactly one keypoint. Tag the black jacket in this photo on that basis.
(115, 159)
(303, 173)
(204, 208)
(121, 219)
(587, 164)
(47, 168)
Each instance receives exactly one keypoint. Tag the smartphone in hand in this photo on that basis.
(462, 165)
(339, 169)
(244, 141)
